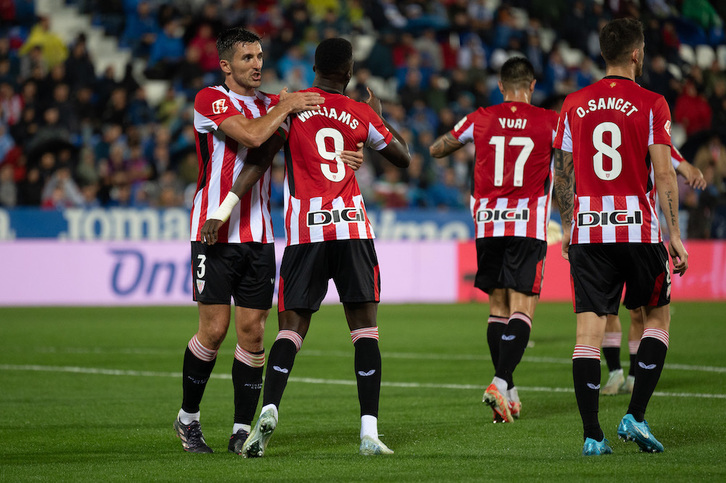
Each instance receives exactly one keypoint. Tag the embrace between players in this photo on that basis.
(239, 130)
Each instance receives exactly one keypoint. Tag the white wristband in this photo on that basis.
(225, 209)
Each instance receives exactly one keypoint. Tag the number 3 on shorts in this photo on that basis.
(201, 268)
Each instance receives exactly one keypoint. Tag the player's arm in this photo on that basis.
(397, 150)
(444, 145)
(253, 132)
(564, 194)
(693, 175)
(667, 188)
(258, 161)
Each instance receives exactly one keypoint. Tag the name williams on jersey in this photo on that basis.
(331, 113)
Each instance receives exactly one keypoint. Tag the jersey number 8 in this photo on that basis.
(609, 150)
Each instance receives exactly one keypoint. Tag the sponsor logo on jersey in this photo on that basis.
(326, 217)
(220, 106)
(502, 214)
(605, 218)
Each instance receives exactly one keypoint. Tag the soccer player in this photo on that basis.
(229, 119)
(510, 204)
(611, 166)
(618, 383)
(328, 236)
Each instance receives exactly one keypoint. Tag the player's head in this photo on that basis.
(622, 42)
(334, 60)
(228, 40)
(240, 58)
(517, 76)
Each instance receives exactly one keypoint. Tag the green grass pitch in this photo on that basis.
(90, 394)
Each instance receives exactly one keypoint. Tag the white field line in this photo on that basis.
(307, 380)
(349, 354)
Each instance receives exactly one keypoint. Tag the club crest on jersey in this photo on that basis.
(219, 106)
(200, 286)
(502, 214)
(326, 217)
(605, 218)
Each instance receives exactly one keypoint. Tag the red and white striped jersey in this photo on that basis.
(512, 188)
(322, 198)
(608, 127)
(220, 161)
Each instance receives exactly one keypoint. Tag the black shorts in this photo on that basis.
(599, 271)
(307, 268)
(510, 262)
(243, 271)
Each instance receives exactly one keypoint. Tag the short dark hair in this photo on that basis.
(333, 57)
(516, 71)
(228, 39)
(618, 38)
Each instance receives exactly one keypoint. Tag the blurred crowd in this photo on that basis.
(72, 138)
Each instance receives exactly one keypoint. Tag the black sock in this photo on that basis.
(511, 348)
(494, 337)
(247, 382)
(651, 358)
(279, 366)
(612, 358)
(368, 375)
(586, 376)
(195, 374)
(633, 364)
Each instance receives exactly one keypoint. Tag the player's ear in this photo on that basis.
(531, 85)
(501, 87)
(224, 65)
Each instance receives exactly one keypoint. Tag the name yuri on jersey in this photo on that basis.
(610, 103)
(326, 217)
(331, 113)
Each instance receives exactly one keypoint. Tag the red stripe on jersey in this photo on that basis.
(245, 207)
(657, 287)
(205, 189)
(246, 111)
(225, 182)
(261, 106)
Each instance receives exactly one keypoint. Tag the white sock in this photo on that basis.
(187, 418)
(270, 406)
(501, 385)
(512, 394)
(369, 426)
(238, 426)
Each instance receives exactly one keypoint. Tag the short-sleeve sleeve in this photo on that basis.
(661, 124)
(378, 134)
(464, 130)
(211, 107)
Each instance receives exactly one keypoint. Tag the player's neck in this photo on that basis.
(239, 90)
(620, 71)
(328, 85)
(517, 95)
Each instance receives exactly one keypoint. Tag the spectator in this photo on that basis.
(53, 49)
(141, 30)
(692, 110)
(61, 191)
(444, 193)
(8, 190)
(80, 69)
(205, 42)
(166, 52)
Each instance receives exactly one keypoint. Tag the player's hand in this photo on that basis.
(353, 159)
(679, 255)
(300, 101)
(374, 102)
(566, 242)
(210, 231)
(695, 179)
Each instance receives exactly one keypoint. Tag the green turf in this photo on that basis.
(90, 394)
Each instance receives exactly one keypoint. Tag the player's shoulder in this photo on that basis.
(209, 95)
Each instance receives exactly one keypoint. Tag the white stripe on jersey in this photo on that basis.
(292, 210)
(520, 226)
(362, 227)
(583, 234)
(566, 136)
(650, 127)
(608, 231)
(635, 232)
(316, 232)
(342, 230)
(499, 224)
(468, 135)
(543, 211)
